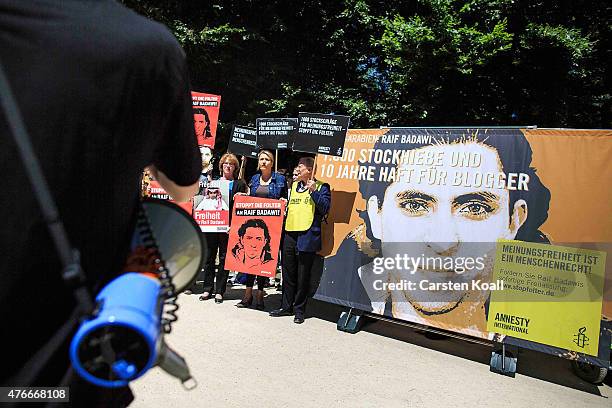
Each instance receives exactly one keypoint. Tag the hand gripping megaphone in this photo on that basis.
(124, 336)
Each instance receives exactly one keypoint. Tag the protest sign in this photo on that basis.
(243, 141)
(255, 235)
(319, 133)
(155, 190)
(211, 206)
(205, 117)
(276, 133)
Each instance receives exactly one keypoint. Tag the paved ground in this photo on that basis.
(245, 358)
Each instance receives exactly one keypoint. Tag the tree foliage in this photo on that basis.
(425, 62)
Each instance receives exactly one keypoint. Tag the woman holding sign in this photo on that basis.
(265, 184)
(217, 241)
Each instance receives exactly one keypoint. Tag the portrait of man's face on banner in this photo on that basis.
(201, 123)
(457, 220)
(253, 247)
(207, 159)
(433, 217)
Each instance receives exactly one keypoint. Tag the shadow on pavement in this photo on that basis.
(530, 363)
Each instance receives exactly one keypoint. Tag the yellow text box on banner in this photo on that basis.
(551, 294)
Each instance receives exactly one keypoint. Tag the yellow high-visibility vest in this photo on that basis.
(301, 209)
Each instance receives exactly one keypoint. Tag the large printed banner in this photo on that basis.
(205, 117)
(422, 222)
(255, 235)
(211, 206)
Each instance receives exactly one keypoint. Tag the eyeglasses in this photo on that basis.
(229, 164)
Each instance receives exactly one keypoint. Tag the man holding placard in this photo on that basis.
(309, 202)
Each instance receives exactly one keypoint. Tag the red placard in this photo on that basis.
(156, 191)
(255, 235)
(205, 117)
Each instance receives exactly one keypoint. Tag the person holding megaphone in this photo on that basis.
(98, 109)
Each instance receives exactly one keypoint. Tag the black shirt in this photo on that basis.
(103, 92)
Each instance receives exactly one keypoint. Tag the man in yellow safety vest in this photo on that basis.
(309, 202)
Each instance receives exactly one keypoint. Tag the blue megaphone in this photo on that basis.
(124, 337)
(119, 344)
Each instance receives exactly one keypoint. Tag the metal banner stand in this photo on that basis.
(503, 359)
(350, 321)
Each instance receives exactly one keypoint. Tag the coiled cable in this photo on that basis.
(168, 290)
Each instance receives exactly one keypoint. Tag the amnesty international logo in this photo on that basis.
(581, 339)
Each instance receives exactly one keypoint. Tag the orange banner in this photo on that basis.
(451, 191)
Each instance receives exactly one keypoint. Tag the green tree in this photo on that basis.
(425, 62)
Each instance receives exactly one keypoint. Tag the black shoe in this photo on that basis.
(243, 303)
(260, 306)
(281, 312)
(298, 319)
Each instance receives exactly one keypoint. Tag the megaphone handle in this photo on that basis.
(108, 354)
(172, 363)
